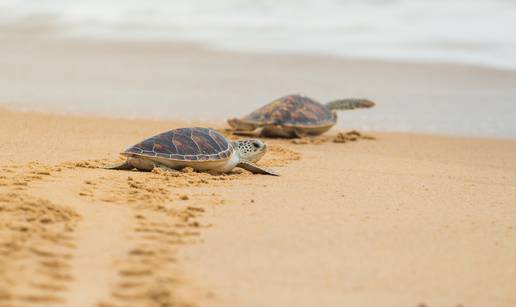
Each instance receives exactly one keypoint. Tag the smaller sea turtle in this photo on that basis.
(295, 116)
(202, 149)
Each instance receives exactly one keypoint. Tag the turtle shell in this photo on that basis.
(185, 144)
(292, 110)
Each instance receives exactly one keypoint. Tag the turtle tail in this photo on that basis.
(350, 104)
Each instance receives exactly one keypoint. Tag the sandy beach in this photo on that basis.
(402, 219)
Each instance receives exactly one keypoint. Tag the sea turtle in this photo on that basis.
(202, 149)
(295, 116)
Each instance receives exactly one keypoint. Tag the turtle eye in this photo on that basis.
(256, 145)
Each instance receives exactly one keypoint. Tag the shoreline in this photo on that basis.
(221, 124)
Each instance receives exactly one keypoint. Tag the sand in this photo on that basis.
(399, 220)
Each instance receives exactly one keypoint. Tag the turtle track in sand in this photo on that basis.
(135, 215)
(69, 227)
(37, 241)
(161, 222)
(101, 227)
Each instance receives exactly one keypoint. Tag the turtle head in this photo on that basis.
(250, 150)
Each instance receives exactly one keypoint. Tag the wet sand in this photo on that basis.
(401, 220)
(167, 80)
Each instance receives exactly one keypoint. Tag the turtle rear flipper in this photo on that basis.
(253, 168)
(350, 104)
(125, 166)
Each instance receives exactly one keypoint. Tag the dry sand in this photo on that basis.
(402, 220)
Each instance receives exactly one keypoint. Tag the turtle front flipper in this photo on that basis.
(246, 133)
(350, 104)
(240, 125)
(253, 168)
(125, 166)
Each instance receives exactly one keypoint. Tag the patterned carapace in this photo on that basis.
(292, 110)
(187, 144)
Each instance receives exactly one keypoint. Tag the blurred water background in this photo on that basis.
(481, 32)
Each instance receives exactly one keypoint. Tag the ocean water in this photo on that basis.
(480, 32)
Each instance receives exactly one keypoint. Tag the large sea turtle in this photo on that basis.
(203, 149)
(295, 116)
